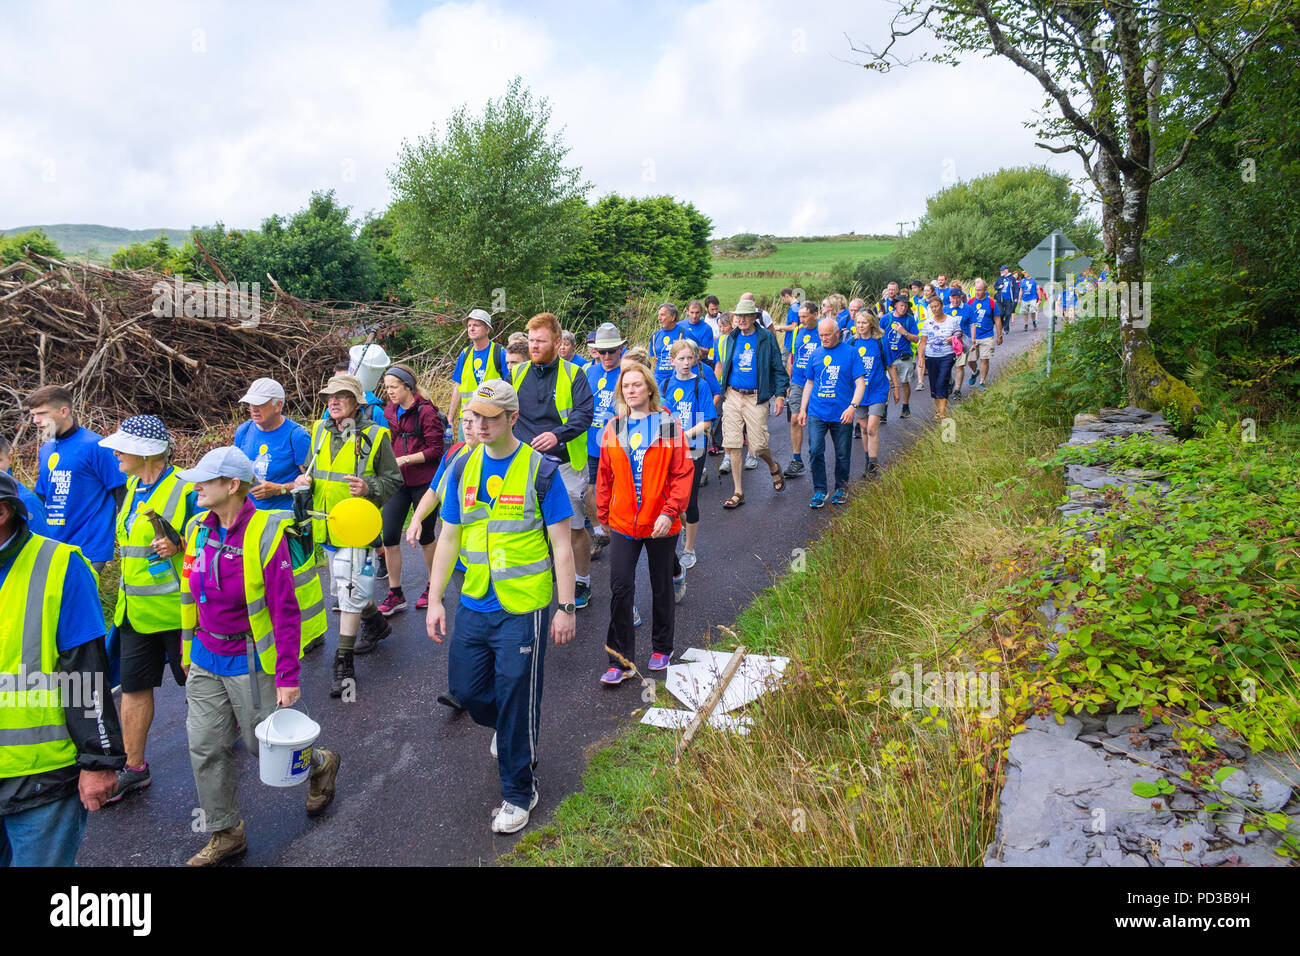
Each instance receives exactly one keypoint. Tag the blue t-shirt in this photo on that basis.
(701, 334)
(35, 510)
(832, 373)
(641, 432)
(791, 318)
(276, 456)
(555, 508)
(77, 478)
(1028, 290)
(874, 356)
(943, 294)
(661, 344)
(479, 363)
(977, 318)
(1006, 287)
(691, 402)
(803, 342)
(602, 384)
(81, 618)
(897, 345)
(580, 361)
(744, 366)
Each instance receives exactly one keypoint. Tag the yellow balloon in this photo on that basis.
(354, 523)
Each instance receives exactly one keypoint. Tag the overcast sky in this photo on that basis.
(157, 114)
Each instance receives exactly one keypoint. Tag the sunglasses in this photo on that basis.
(605, 351)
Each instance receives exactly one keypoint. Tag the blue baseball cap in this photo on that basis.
(224, 462)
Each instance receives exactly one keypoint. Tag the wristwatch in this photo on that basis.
(569, 608)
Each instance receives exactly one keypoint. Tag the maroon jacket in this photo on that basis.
(415, 429)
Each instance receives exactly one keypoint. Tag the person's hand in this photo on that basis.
(185, 669)
(662, 524)
(803, 419)
(164, 548)
(562, 627)
(265, 489)
(302, 481)
(846, 416)
(545, 441)
(287, 696)
(898, 394)
(999, 338)
(95, 787)
(413, 533)
(779, 406)
(435, 621)
(358, 486)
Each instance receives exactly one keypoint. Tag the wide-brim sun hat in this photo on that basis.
(608, 337)
(745, 307)
(142, 435)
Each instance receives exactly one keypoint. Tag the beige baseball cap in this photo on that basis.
(493, 397)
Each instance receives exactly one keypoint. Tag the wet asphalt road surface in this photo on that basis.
(417, 784)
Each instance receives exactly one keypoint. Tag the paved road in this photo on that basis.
(417, 783)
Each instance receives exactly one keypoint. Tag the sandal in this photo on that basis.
(735, 501)
(778, 480)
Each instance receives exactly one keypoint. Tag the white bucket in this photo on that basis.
(368, 363)
(284, 746)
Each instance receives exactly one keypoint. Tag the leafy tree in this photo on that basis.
(1104, 67)
(488, 204)
(153, 254)
(391, 271)
(19, 245)
(634, 247)
(973, 227)
(315, 254)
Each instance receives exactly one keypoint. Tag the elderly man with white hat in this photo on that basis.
(482, 359)
(277, 446)
(147, 619)
(351, 458)
(602, 375)
(241, 643)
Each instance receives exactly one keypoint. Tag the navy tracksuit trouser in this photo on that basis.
(494, 669)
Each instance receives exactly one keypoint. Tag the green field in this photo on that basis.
(794, 263)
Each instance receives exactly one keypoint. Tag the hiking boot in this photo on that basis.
(679, 588)
(343, 670)
(906, 412)
(725, 467)
(320, 784)
(129, 779)
(956, 392)
(394, 602)
(223, 845)
(509, 818)
(599, 542)
(872, 470)
(857, 431)
(373, 630)
(381, 568)
(795, 468)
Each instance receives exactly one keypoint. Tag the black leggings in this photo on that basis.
(396, 509)
(693, 509)
(661, 554)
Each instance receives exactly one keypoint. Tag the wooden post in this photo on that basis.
(715, 695)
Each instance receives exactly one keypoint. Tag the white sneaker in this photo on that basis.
(688, 560)
(492, 749)
(725, 467)
(509, 818)
(750, 462)
(679, 588)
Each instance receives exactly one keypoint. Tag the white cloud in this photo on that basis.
(130, 117)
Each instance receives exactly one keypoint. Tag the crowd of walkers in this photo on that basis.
(549, 459)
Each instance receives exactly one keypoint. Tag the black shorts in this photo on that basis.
(143, 657)
(396, 510)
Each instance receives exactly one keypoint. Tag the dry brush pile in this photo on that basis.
(132, 342)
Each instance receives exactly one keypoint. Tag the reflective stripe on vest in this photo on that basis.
(33, 729)
(152, 609)
(468, 380)
(329, 478)
(506, 544)
(564, 376)
(267, 528)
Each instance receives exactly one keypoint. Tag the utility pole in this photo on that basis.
(901, 224)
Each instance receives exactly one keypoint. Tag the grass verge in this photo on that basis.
(835, 771)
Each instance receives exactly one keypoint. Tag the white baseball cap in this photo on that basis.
(262, 391)
(225, 462)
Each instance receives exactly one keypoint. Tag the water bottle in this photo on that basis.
(368, 569)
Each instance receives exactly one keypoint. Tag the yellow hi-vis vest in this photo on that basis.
(722, 345)
(154, 602)
(307, 588)
(505, 544)
(329, 475)
(468, 380)
(33, 732)
(564, 376)
(265, 529)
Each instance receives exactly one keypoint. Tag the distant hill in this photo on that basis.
(99, 242)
